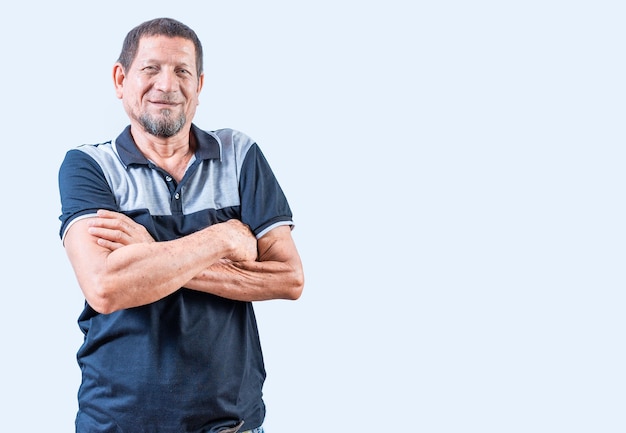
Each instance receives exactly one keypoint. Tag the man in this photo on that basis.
(172, 232)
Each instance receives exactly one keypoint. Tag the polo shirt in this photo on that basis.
(192, 361)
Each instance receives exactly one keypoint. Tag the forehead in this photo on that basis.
(166, 49)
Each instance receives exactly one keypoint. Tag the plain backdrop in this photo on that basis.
(456, 173)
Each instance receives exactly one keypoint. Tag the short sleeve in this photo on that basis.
(263, 203)
(83, 188)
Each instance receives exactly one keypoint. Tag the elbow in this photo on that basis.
(296, 287)
(100, 297)
(101, 306)
(295, 293)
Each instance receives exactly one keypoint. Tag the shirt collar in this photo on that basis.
(208, 146)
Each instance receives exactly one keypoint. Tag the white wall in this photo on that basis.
(456, 171)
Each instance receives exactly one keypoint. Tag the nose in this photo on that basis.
(165, 80)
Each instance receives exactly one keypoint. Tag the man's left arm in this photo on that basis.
(277, 273)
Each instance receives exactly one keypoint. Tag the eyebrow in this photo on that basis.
(151, 60)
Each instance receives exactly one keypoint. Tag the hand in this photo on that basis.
(114, 230)
(242, 240)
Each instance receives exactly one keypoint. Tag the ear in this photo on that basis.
(199, 89)
(200, 83)
(118, 79)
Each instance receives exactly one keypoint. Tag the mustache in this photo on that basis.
(165, 98)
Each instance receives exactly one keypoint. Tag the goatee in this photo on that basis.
(164, 126)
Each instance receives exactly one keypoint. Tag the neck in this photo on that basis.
(172, 154)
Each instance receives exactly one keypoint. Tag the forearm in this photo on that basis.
(119, 267)
(276, 274)
(139, 274)
(250, 280)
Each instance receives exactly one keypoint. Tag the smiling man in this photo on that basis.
(172, 232)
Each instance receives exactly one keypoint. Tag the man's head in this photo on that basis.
(159, 76)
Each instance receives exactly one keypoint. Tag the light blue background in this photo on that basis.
(456, 171)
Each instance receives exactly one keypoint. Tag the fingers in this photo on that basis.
(113, 235)
(103, 213)
(118, 229)
(114, 220)
(112, 246)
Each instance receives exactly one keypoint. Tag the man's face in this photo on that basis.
(160, 89)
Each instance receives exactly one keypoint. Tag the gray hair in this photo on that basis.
(158, 27)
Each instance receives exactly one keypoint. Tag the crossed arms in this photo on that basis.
(119, 265)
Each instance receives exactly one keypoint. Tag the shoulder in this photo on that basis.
(233, 137)
(91, 162)
(234, 144)
(79, 157)
(94, 152)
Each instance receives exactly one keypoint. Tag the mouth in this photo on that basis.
(164, 103)
(163, 99)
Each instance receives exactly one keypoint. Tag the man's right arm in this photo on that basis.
(141, 273)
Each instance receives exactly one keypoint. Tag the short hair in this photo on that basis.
(158, 27)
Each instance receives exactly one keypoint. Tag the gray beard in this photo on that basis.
(164, 127)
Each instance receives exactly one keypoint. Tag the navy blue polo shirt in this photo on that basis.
(190, 362)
